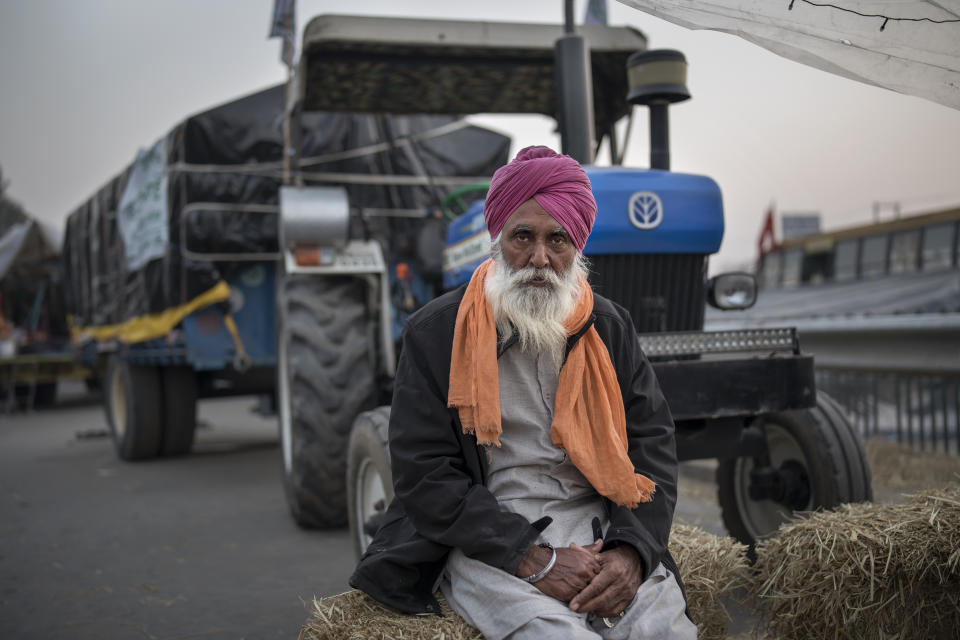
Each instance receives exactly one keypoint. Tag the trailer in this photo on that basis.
(171, 269)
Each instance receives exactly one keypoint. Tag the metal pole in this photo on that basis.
(896, 386)
(574, 97)
(920, 385)
(956, 411)
(286, 127)
(612, 140)
(574, 80)
(659, 136)
(909, 382)
(946, 421)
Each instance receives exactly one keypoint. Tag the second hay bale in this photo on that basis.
(866, 571)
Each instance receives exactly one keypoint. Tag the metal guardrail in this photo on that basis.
(897, 375)
(921, 411)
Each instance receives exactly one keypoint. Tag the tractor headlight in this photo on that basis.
(731, 291)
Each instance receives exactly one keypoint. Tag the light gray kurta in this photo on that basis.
(531, 476)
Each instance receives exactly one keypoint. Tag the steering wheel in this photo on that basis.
(460, 199)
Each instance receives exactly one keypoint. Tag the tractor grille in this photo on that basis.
(662, 292)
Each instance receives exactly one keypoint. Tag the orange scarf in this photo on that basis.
(588, 417)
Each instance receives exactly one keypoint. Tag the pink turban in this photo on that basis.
(557, 182)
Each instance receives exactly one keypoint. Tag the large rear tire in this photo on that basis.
(179, 410)
(325, 379)
(816, 461)
(134, 410)
(369, 484)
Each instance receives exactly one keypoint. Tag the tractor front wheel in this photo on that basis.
(369, 485)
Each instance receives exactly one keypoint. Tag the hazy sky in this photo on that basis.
(85, 83)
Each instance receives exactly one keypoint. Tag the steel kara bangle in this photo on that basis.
(540, 575)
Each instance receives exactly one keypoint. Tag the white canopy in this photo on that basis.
(909, 46)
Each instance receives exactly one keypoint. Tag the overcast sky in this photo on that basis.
(85, 83)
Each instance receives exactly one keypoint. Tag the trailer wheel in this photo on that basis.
(45, 395)
(369, 487)
(179, 410)
(133, 407)
(815, 461)
(325, 379)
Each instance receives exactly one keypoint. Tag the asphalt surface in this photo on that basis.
(195, 547)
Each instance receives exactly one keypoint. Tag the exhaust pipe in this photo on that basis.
(657, 79)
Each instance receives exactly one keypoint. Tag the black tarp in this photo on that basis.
(231, 156)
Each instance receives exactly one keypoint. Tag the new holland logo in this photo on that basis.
(645, 210)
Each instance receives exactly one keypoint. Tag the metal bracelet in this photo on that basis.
(540, 575)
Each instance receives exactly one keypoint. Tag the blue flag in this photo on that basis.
(284, 26)
(596, 12)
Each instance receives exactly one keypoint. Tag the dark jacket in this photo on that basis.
(439, 473)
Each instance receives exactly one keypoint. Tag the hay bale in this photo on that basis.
(712, 568)
(897, 466)
(865, 571)
(356, 616)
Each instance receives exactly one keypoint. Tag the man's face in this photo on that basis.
(532, 238)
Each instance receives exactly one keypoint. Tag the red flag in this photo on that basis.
(767, 241)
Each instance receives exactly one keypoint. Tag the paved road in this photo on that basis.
(198, 547)
(194, 547)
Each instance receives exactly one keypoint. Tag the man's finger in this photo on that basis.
(600, 583)
(595, 547)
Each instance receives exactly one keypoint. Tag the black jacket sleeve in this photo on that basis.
(436, 468)
(651, 445)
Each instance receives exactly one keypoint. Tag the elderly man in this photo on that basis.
(532, 451)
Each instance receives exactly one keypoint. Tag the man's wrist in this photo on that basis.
(537, 562)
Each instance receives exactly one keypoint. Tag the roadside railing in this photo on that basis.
(918, 409)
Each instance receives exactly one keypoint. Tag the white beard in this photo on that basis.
(536, 312)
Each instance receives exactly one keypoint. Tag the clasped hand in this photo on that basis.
(590, 579)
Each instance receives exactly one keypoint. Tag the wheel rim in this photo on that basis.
(118, 402)
(370, 498)
(762, 517)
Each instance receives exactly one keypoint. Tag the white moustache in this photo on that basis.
(528, 275)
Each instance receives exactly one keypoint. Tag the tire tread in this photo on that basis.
(331, 380)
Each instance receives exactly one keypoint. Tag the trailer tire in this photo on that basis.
(325, 379)
(817, 452)
(179, 410)
(45, 395)
(369, 485)
(133, 407)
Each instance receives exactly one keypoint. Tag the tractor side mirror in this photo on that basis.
(732, 291)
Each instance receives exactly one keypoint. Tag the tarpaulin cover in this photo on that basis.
(909, 46)
(224, 165)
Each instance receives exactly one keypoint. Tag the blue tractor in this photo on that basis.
(745, 397)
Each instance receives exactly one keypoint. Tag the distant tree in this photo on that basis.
(11, 212)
